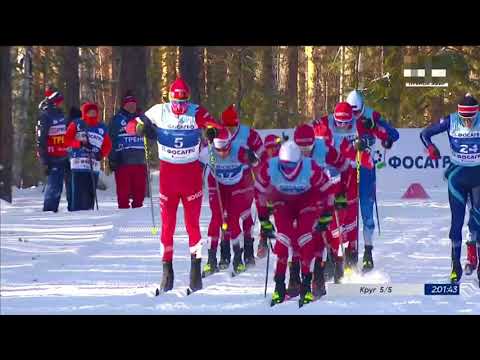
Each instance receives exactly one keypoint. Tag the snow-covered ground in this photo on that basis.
(108, 262)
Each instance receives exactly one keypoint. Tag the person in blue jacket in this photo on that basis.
(463, 174)
(51, 128)
(127, 158)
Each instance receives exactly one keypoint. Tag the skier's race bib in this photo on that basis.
(178, 136)
(229, 174)
(339, 135)
(81, 163)
(296, 186)
(464, 142)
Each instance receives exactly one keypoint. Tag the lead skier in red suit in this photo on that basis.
(245, 136)
(297, 187)
(336, 166)
(176, 126)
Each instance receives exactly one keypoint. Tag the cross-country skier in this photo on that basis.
(231, 190)
(89, 142)
(296, 186)
(336, 166)
(176, 126)
(51, 129)
(354, 123)
(127, 159)
(463, 175)
(271, 145)
(243, 135)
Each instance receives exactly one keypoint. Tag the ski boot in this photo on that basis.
(262, 247)
(224, 255)
(457, 271)
(318, 282)
(238, 266)
(328, 269)
(248, 255)
(351, 258)
(167, 277)
(367, 259)
(471, 258)
(278, 295)
(306, 295)
(338, 270)
(195, 274)
(211, 265)
(294, 282)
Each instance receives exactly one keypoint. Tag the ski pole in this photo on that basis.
(376, 210)
(269, 244)
(149, 185)
(92, 176)
(212, 163)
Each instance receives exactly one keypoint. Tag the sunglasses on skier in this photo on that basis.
(306, 149)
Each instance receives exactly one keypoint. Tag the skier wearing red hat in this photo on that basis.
(51, 128)
(271, 146)
(243, 135)
(88, 139)
(296, 186)
(230, 189)
(176, 126)
(352, 130)
(127, 159)
(336, 167)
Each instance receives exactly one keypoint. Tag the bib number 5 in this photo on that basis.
(178, 142)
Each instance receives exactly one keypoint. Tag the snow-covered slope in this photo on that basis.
(108, 262)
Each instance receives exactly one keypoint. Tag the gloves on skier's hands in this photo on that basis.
(387, 144)
(323, 222)
(433, 152)
(270, 208)
(252, 157)
(360, 144)
(211, 133)
(267, 228)
(340, 201)
(368, 123)
(140, 129)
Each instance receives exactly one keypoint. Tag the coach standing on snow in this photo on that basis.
(89, 142)
(127, 158)
(51, 128)
(176, 126)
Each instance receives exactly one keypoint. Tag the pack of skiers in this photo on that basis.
(307, 190)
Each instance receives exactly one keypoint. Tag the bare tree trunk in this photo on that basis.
(264, 112)
(189, 66)
(70, 82)
(133, 74)
(302, 83)
(21, 118)
(292, 80)
(310, 75)
(6, 128)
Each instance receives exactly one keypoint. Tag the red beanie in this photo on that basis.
(304, 135)
(179, 90)
(343, 112)
(272, 141)
(128, 99)
(230, 116)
